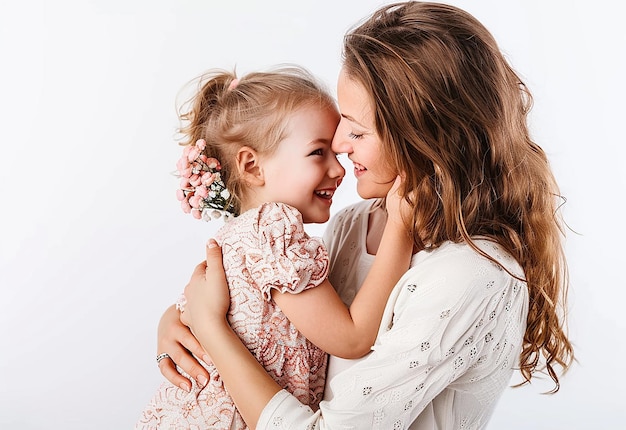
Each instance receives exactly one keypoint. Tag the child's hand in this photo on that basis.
(399, 211)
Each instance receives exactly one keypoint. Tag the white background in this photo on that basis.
(94, 246)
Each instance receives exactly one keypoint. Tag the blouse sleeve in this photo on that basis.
(285, 257)
(451, 322)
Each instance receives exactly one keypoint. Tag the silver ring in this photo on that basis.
(162, 356)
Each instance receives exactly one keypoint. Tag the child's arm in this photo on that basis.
(320, 315)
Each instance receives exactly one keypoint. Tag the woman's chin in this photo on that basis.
(367, 191)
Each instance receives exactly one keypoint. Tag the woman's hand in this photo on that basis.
(178, 342)
(207, 294)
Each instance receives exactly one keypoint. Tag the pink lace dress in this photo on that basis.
(263, 248)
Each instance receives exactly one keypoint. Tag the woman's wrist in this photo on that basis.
(211, 332)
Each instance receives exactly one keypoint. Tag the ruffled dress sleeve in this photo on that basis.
(285, 257)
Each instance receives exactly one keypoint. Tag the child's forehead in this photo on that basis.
(310, 125)
(316, 116)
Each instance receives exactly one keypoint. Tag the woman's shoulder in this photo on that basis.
(481, 257)
(456, 279)
(458, 271)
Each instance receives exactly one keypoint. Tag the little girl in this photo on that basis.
(259, 151)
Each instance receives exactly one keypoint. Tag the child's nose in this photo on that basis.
(336, 169)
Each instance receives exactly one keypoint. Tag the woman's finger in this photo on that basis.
(169, 371)
(178, 342)
(213, 263)
(201, 269)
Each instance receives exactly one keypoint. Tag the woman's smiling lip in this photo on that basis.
(359, 169)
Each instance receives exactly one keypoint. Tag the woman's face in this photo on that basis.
(356, 136)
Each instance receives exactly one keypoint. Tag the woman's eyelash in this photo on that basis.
(317, 152)
(354, 136)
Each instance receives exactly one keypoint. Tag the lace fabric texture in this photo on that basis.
(263, 249)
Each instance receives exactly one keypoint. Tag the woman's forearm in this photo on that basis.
(247, 382)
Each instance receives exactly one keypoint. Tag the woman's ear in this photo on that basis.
(248, 165)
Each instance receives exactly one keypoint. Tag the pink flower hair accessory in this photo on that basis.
(233, 84)
(202, 191)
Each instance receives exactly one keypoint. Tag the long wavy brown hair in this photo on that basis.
(453, 114)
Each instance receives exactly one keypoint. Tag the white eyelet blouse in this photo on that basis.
(449, 340)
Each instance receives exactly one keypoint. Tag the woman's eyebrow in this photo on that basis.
(349, 118)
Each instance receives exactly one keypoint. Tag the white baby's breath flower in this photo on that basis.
(225, 193)
(206, 214)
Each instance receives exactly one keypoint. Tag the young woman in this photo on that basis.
(259, 148)
(425, 90)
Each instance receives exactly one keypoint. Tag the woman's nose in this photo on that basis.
(341, 144)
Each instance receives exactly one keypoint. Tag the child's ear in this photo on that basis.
(248, 165)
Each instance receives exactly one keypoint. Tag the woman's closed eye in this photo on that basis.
(354, 135)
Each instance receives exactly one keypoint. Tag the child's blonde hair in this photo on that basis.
(229, 113)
